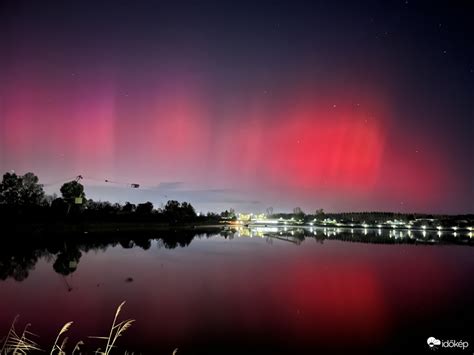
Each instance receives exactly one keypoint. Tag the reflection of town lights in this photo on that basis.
(352, 231)
(379, 231)
(439, 234)
(365, 231)
(424, 233)
(455, 234)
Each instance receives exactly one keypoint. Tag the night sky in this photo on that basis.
(360, 105)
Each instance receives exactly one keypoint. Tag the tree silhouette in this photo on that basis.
(67, 261)
(319, 213)
(72, 189)
(179, 212)
(145, 208)
(129, 207)
(32, 192)
(21, 190)
(187, 211)
(298, 212)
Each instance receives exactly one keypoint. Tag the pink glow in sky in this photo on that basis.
(327, 151)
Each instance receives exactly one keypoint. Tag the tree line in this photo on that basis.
(22, 198)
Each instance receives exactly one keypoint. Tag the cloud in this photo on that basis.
(170, 185)
(202, 199)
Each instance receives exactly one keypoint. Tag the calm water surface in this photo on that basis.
(266, 294)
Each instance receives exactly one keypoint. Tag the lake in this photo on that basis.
(260, 291)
